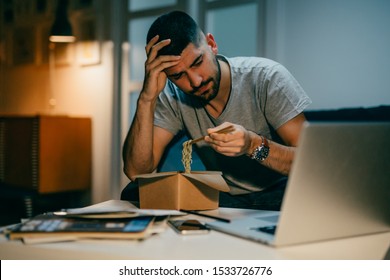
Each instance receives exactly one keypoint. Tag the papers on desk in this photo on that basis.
(115, 209)
(113, 219)
(51, 226)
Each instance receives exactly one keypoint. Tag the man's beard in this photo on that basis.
(216, 80)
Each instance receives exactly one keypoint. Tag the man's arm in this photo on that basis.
(281, 156)
(145, 143)
(242, 141)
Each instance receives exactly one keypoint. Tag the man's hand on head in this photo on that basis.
(155, 77)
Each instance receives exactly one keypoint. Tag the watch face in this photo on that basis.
(264, 152)
(261, 153)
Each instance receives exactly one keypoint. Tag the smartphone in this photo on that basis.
(189, 227)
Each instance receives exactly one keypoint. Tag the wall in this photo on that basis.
(338, 50)
(79, 91)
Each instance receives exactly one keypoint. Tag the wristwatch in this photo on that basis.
(261, 152)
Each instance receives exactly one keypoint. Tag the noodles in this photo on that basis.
(187, 156)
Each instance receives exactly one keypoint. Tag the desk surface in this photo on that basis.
(168, 245)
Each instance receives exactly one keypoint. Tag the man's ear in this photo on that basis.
(211, 43)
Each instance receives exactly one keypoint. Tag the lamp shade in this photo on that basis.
(61, 30)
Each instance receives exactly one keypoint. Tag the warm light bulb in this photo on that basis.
(62, 39)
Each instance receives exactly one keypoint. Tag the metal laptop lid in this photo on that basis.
(339, 185)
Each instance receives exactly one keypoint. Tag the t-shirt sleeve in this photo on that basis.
(285, 97)
(166, 114)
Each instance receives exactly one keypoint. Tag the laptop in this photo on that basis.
(339, 186)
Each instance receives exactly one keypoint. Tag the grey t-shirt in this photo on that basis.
(264, 96)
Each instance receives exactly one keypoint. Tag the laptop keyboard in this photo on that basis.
(267, 229)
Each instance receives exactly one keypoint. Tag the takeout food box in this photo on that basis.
(179, 190)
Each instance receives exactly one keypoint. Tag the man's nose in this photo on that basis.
(195, 79)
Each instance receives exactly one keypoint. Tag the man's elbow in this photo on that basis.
(129, 173)
(132, 173)
(129, 168)
(133, 169)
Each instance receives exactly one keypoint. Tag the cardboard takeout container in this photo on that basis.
(178, 190)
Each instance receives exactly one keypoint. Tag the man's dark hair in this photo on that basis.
(177, 26)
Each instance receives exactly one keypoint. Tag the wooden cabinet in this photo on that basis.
(46, 154)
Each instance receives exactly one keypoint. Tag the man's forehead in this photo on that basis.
(189, 55)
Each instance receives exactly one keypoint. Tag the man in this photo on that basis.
(189, 87)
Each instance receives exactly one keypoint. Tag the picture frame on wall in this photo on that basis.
(88, 53)
(88, 42)
(23, 45)
(25, 31)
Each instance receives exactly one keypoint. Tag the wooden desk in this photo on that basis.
(170, 246)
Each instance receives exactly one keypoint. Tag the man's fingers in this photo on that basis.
(152, 47)
(154, 63)
(150, 44)
(162, 63)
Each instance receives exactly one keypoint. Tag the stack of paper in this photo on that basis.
(113, 219)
